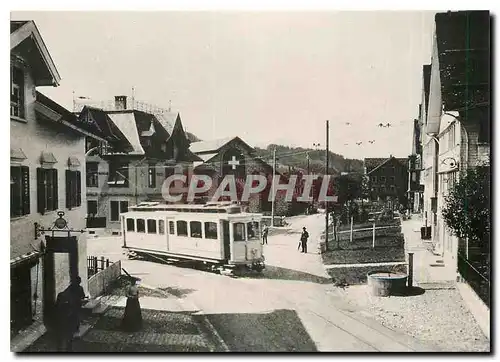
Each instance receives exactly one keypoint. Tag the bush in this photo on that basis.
(364, 216)
(386, 215)
(466, 208)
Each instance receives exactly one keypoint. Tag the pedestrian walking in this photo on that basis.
(264, 235)
(132, 318)
(303, 239)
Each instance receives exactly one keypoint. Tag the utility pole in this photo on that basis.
(307, 154)
(326, 176)
(272, 185)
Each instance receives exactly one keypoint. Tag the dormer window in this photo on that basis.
(17, 102)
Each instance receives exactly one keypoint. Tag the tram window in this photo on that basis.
(211, 230)
(195, 227)
(182, 228)
(239, 231)
(171, 227)
(151, 226)
(141, 226)
(161, 227)
(130, 225)
(253, 230)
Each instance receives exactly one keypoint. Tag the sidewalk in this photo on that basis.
(436, 312)
(170, 324)
(427, 267)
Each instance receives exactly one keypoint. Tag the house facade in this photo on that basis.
(388, 179)
(47, 159)
(458, 116)
(158, 147)
(233, 156)
(416, 168)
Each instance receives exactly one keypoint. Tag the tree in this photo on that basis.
(466, 209)
(347, 188)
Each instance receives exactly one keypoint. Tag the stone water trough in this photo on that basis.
(385, 283)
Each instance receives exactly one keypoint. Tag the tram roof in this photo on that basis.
(219, 208)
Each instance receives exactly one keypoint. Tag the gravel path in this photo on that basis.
(438, 316)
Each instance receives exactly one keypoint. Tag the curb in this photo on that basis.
(219, 341)
(476, 307)
(36, 332)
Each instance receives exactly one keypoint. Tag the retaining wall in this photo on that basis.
(100, 282)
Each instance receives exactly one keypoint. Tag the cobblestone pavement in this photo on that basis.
(162, 331)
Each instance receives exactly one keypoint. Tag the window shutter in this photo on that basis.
(114, 210)
(68, 190)
(55, 188)
(78, 188)
(40, 179)
(25, 189)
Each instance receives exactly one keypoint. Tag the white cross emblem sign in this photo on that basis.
(233, 163)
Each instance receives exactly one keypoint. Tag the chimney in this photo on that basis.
(120, 103)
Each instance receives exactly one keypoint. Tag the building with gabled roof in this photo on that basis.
(388, 178)
(158, 148)
(233, 156)
(47, 167)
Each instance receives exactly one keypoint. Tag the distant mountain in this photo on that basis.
(296, 157)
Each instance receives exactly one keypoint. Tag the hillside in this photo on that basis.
(297, 157)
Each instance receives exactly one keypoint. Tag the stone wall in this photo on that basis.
(100, 282)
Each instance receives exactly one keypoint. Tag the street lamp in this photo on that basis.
(91, 150)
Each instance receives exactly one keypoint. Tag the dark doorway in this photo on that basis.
(21, 314)
(55, 245)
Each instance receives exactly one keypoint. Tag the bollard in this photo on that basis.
(410, 270)
(350, 239)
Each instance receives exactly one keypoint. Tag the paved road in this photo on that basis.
(291, 306)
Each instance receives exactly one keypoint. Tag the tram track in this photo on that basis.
(350, 320)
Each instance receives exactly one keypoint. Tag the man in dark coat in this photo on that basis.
(265, 232)
(62, 318)
(78, 297)
(303, 239)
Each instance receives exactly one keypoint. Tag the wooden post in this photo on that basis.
(107, 263)
(410, 270)
(102, 262)
(373, 241)
(351, 228)
(95, 264)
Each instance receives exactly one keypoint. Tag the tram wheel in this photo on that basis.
(258, 268)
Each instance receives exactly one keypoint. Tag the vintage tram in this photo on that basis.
(217, 235)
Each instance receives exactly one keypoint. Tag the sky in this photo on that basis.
(267, 77)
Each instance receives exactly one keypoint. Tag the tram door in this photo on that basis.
(225, 240)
